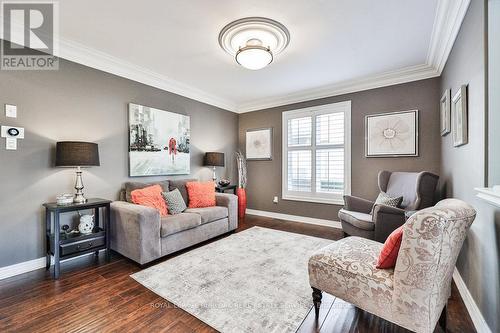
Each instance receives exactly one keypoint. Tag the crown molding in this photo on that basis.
(102, 61)
(449, 17)
(447, 22)
(409, 74)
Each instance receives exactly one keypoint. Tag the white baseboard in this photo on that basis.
(476, 316)
(22, 267)
(30, 265)
(295, 218)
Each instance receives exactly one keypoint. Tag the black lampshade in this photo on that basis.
(214, 159)
(77, 154)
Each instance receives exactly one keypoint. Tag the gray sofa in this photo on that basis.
(139, 233)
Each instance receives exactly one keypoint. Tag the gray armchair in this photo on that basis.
(418, 192)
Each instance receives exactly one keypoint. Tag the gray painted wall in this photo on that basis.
(494, 86)
(80, 103)
(264, 177)
(463, 168)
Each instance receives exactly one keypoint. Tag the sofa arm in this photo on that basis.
(357, 204)
(135, 231)
(231, 202)
(387, 219)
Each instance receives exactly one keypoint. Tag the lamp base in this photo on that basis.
(79, 197)
(214, 176)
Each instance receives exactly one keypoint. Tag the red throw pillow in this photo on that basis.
(390, 250)
(201, 194)
(150, 197)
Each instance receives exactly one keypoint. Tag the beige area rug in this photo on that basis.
(252, 281)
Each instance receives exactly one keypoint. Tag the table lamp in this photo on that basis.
(80, 155)
(214, 159)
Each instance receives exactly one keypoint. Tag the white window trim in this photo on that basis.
(326, 198)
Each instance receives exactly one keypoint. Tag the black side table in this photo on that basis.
(222, 189)
(64, 246)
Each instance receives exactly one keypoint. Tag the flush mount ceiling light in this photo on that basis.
(254, 41)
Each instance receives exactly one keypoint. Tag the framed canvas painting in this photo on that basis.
(158, 142)
(259, 144)
(391, 134)
(459, 117)
(445, 113)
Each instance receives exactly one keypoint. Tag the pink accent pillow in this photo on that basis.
(390, 250)
(201, 194)
(150, 197)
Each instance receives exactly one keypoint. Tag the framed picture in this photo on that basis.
(259, 144)
(459, 117)
(445, 114)
(158, 142)
(391, 134)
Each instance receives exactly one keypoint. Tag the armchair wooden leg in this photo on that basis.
(316, 294)
(442, 318)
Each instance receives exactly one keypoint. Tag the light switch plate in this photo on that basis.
(10, 111)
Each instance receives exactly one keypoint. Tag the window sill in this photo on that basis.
(339, 202)
(490, 195)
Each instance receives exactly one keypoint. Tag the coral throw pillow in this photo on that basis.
(389, 254)
(150, 197)
(201, 194)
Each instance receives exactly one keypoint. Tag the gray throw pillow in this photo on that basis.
(175, 202)
(384, 199)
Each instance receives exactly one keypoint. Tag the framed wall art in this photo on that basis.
(259, 144)
(158, 142)
(459, 117)
(391, 134)
(445, 113)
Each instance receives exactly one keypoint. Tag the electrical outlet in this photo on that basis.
(275, 200)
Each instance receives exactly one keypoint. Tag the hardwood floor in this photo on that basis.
(95, 296)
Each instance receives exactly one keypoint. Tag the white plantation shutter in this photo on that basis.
(316, 153)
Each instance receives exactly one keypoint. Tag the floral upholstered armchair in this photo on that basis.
(414, 293)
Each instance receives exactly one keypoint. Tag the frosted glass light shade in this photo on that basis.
(254, 57)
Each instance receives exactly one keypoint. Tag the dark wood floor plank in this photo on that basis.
(95, 296)
(311, 323)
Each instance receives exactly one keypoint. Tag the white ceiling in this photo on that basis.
(336, 46)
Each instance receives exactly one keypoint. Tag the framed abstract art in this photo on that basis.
(259, 144)
(391, 134)
(158, 142)
(459, 117)
(445, 113)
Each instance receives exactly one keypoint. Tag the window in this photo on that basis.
(317, 153)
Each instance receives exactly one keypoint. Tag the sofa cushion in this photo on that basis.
(357, 219)
(150, 197)
(180, 184)
(130, 186)
(403, 184)
(209, 214)
(173, 224)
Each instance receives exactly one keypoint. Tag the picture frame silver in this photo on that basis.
(413, 136)
(268, 155)
(445, 112)
(459, 117)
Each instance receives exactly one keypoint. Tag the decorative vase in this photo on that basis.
(242, 202)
